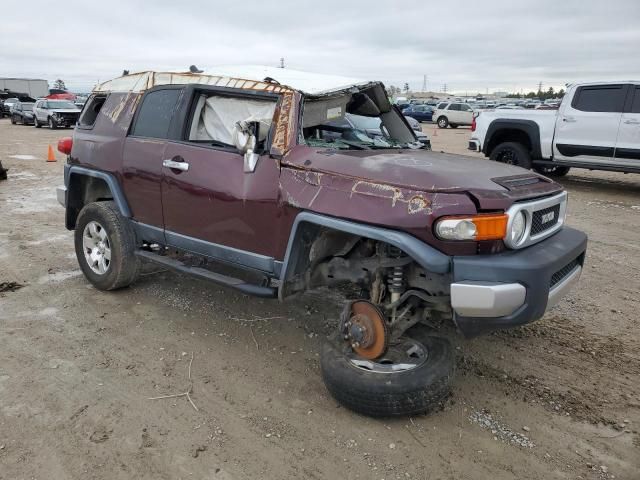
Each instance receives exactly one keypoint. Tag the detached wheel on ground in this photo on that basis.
(105, 246)
(512, 153)
(552, 171)
(443, 122)
(414, 375)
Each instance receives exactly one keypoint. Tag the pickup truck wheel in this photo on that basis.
(512, 153)
(552, 171)
(443, 122)
(414, 375)
(105, 246)
(52, 124)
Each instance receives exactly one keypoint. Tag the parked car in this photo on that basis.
(7, 105)
(188, 170)
(417, 129)
(422, 113)
(597, 127)
(453, 114)
(22, 112)
(55, 113)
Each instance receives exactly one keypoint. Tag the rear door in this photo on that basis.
(587, 127)
(143, 153)
(453, 113)
(628, 144)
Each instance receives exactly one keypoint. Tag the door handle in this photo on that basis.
(176, 163)
(568, 119)
(632, 122)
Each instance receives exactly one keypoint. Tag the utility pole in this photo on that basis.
(540, 87)
(424, 83)
(444, 88)
(281, 62)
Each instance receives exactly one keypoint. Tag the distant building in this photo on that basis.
(500, 94)
(34, 87)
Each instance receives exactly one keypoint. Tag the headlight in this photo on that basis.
(477, 227)
(518, 228)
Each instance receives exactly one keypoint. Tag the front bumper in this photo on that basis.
(491, 292)
(474, 145)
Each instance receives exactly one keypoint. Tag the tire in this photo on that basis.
(512, 153)
(410, 392)
(124, 266)
(552, 171)
(13, 119)
(36, 123)
(453, 125)
(52, 124)
(443, 122)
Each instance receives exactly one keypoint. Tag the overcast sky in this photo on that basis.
(469, 45)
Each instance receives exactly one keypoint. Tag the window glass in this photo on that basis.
(635, 106)
(454, 106)
(215, 119)
(155, 113)
(91, 110)
(606, 98)
(441, 105)
(465, 107)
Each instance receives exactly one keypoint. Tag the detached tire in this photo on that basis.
(100, 229)
(376, 394)
(512, 153)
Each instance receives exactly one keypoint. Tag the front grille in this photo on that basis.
(69, 117)
(544, 219)
(563, 272)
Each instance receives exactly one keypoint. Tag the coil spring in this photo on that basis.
(396, 279)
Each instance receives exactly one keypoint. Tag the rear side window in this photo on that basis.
(154, 116)
(635, 106)
(91, 110)
(454, 106)
(605, 98)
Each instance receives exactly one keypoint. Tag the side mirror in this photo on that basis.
(244, 137)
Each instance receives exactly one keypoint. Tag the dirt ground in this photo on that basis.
(559, 399)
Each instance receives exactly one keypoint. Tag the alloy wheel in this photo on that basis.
(97, 247)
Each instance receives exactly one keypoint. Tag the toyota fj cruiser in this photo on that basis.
(246, 179)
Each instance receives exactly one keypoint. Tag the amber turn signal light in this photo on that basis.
(477, 227)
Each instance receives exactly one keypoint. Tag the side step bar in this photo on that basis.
(202, 273)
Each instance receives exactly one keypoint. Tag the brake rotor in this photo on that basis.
(366, 330)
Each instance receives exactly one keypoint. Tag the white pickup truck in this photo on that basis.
(597, 127)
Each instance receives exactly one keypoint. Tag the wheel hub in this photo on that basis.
(366, 330)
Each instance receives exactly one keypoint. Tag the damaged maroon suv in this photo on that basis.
(254, 180)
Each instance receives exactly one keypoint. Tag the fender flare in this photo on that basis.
(425, 255)
(110, 179)
(529, 127)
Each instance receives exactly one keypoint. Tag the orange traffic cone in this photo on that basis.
(51, 156)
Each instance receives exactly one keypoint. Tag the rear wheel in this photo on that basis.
(512, 153)
(105, 246)
(443, 122)
(550, 171)
(413, 376)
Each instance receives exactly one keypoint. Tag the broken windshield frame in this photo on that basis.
(354, 121)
